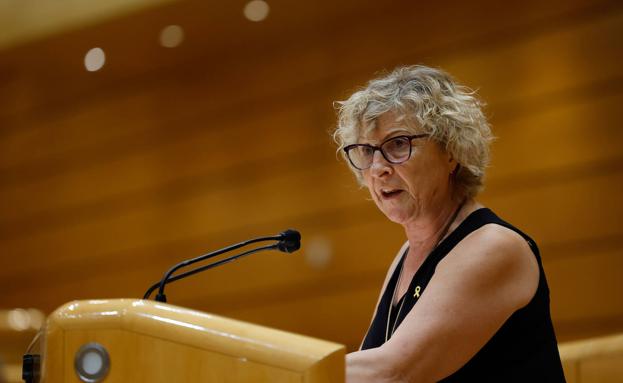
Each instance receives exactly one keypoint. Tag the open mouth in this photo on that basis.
(387, 194)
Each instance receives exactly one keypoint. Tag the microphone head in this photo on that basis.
(290, 241)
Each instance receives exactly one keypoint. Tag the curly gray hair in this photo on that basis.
(430, 101)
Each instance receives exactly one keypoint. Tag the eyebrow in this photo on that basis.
(391, 134)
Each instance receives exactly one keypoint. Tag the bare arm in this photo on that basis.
(488, 276)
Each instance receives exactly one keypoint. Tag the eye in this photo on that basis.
(365, 151)
(397, 149)
(397, 145)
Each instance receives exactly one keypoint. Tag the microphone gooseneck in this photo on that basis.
(289, 241)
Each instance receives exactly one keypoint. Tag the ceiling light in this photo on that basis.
(256, 10)
(94, 59)
(171, 36)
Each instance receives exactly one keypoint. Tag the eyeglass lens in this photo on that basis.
(395, 150)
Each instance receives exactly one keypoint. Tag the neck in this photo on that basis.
(425, 232)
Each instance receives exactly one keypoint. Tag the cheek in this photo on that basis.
(426, 179)
(367, 183)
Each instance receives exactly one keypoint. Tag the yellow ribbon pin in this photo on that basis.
(417, 292)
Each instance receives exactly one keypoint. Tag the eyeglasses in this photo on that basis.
(396, 150)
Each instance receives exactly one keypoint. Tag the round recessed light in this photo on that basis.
(94, 59)
(256, 10)
(171, 36)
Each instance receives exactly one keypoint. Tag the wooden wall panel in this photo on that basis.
(158, 162)
(586, 285)
(107, 180)
(541, 84)
(215, 200)
(267, 276)
(209, 211)
(575, 134)
(561, 129)
(581, 209)
(350, 246)
(92, 125)
(539, 66)
(320, 66)
(216, 29)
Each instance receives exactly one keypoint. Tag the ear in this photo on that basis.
(453, 165)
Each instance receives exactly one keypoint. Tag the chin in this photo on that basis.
(400, 216)
(397, 217)
(396, 211)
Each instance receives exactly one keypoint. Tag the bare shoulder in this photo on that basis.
(486, 277)
(495, 255)
(499, 239)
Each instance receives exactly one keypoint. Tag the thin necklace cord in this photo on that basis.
(403, 299)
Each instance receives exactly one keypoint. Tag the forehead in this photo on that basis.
(385, 126)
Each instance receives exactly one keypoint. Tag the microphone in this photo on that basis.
(289, 241)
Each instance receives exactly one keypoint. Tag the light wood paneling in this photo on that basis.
(157, 162)
(144, 223)
(215, 29)
(558, 134)
(321, 68)
(356, 255)
(157, 143)
(108, 178)
(576, 134)
(584, 286)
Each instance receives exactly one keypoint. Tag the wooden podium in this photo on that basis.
(126, 340)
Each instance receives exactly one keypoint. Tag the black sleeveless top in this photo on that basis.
(524, 349)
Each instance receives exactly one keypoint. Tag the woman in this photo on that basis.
(465, 299)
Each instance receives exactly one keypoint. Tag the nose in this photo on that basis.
(380, 166)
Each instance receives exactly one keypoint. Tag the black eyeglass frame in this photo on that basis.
(374, 148)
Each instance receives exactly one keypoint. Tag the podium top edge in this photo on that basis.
(194, 328)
